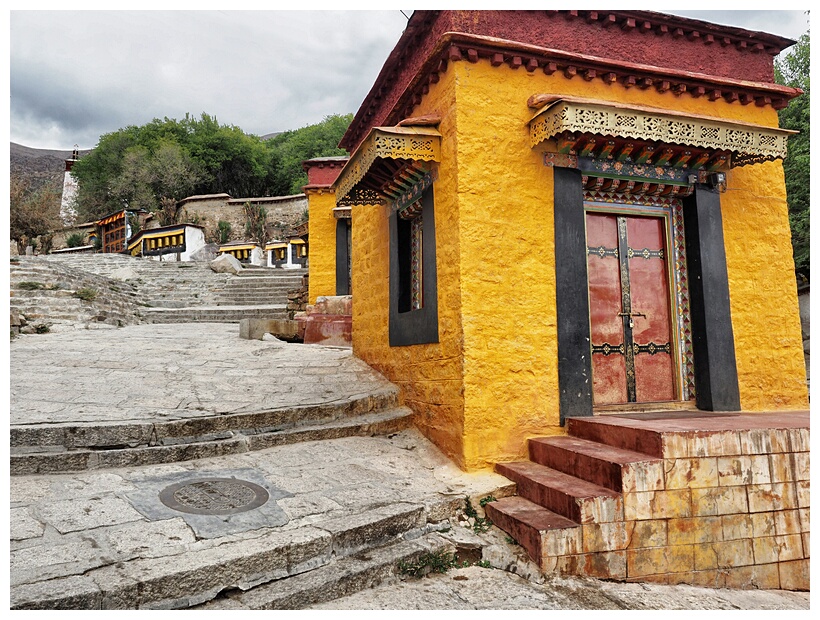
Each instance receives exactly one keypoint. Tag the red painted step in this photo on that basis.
(619, 433)
(528, 523)
(607, 466)
(571, 497)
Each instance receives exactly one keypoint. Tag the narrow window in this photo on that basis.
(413, 286)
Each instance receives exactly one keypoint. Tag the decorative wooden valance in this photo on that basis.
(747, 143)
(388, 162)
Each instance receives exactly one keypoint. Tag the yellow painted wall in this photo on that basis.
(322, 239)
(429, 375)
(507, 268)
(765, 315)
(491, 383)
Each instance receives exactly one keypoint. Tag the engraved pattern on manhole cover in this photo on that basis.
(214, 496)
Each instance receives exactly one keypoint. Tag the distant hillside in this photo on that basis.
(40, 166)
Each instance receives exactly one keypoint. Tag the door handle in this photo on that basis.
(630, 315)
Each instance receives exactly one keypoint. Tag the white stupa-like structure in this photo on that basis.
(68, 212)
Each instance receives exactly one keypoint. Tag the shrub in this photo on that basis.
(75, 240)
(223, 232)
(30, 286)
(86, 294)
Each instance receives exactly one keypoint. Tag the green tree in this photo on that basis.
(223, 232)
(293, 147)
(139, 166)
(792, 69)
(256, 224)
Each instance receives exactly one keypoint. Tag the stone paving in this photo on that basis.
(104, 538)
(168, 372)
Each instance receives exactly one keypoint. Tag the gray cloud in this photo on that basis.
(75, 75)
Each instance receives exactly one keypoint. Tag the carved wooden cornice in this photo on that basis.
(414, 144)
(574, 116)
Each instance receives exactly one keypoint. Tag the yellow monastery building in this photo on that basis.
(567, 241)
(561, 213)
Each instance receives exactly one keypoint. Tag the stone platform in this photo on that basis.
(711, 499)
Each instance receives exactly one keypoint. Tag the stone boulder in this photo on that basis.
(226, 264)
(124, 273)
(208, 252)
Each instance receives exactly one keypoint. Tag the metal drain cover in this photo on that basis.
(214, 496)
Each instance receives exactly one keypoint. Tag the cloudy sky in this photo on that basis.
(75, 75)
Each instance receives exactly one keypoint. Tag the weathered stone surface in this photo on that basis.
(226, 263)
(72, 515)
(350, 534)
(75, 592)
(24, 526)
(124, 273)
(255, 329)
(339, 304)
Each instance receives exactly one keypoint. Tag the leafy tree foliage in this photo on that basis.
(294, 147)
(32, 212)
(793, 70)
(139, 167)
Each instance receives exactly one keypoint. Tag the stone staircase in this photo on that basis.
(53, 448)
(54, 295)
(279, 569)
(171, 292)
(717, 500)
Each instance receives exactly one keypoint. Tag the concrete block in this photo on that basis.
(648, 561)
(802, 488)
(745, 469)
(775, 496)
(777, 548)
(801, 466)
(800, 439)
(725, 554)
(559, 542)
(719, 501)
(737, 526)
(794, 575)
(695, 530)
(605, 536)
(765, 577)
(651, 533)
(691, 473)
(604, 565)
(723, 443)
(642, 476)
(787, 522)
(782, 467)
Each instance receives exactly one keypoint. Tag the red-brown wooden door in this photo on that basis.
(630, 318)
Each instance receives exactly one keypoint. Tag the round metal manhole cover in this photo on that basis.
(214, 496)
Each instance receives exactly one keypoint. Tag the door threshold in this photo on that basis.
(688, 405)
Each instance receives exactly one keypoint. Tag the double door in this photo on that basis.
(632, 349)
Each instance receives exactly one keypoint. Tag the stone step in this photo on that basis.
(571, 497)
(534, 527)
(265, 562)
(628, 437)
(614, 468)
(220, 314)
(28, 458)
(341, 577)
